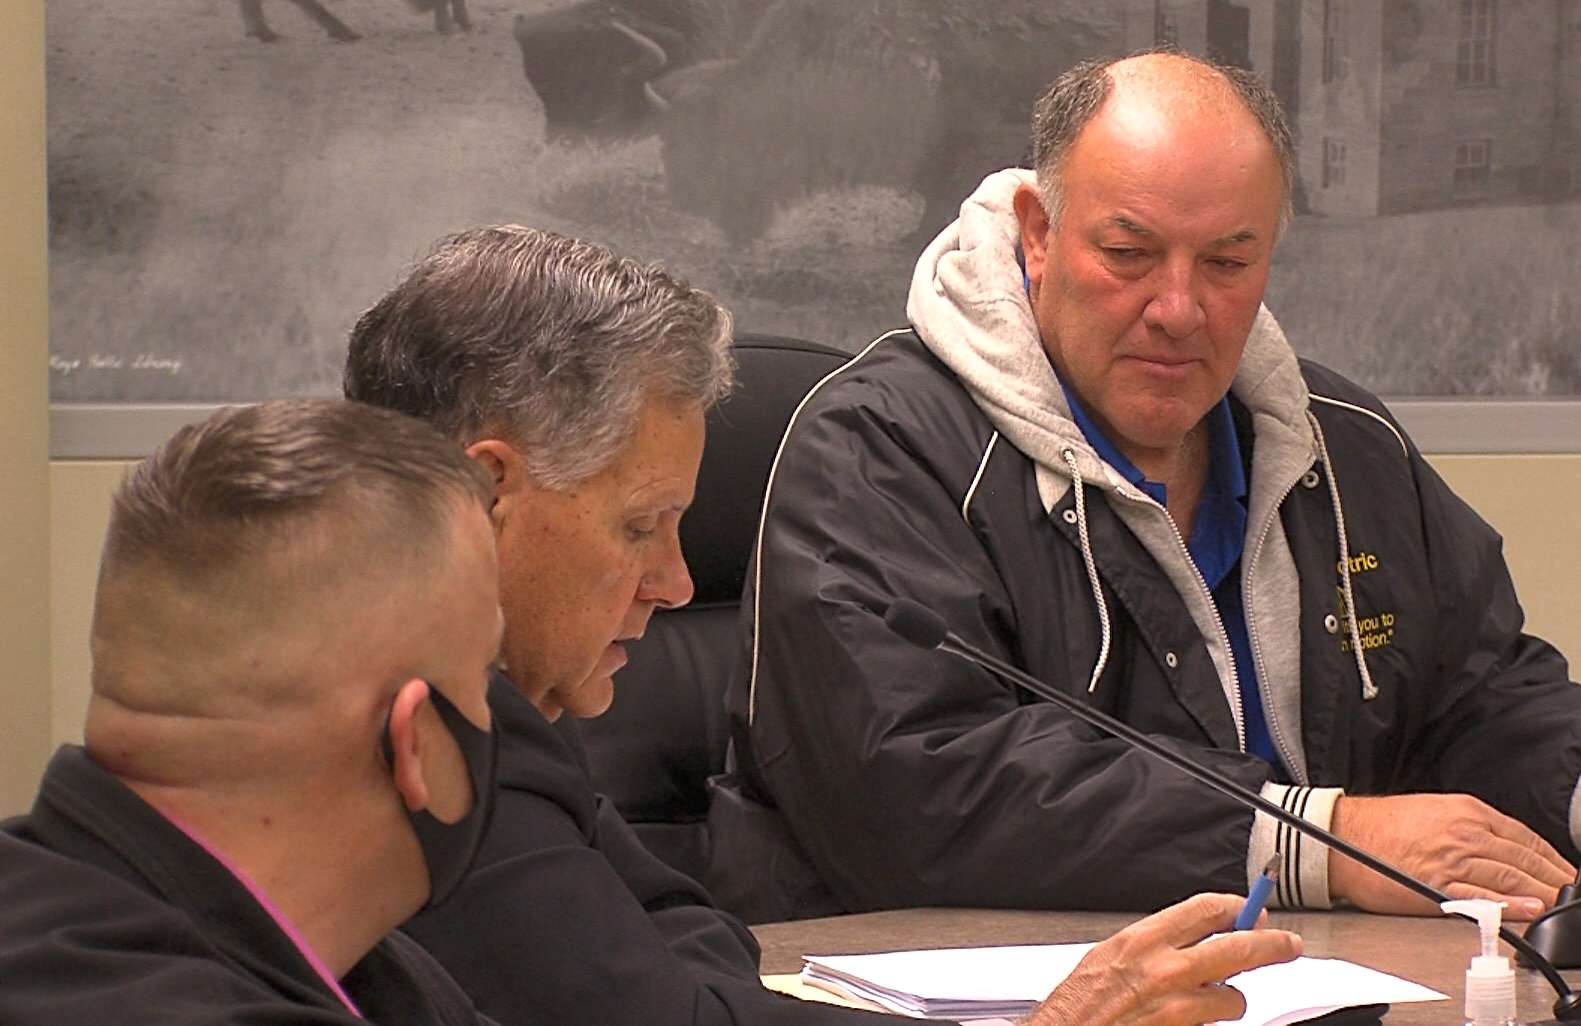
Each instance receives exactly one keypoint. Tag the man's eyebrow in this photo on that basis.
(1244, 235)
(1234, 238)
(1126, 224)
(661, 505)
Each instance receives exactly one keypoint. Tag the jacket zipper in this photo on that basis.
(1218, 621)
(1263, 683)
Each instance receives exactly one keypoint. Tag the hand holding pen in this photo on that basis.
(1262, 887)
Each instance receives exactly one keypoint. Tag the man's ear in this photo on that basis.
(406, 744)
(507, 470)
(1034, 222)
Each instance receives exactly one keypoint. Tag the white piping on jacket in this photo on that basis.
(966, 503)
(1080, 487)
(1352, 407)
(763, 514)
(1369, 690)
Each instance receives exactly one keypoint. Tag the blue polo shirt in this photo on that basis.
(1218, 539)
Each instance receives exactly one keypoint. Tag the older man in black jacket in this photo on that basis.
(1096, 456)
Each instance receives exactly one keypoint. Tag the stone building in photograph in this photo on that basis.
(1404, 105)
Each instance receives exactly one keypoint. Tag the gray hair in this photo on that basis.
(551, 341)
(249, 477)
(1070, 103)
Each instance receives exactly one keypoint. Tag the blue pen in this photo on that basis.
(1261, 888)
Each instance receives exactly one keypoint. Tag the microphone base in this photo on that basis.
(1557, 933)
(1566, 1009)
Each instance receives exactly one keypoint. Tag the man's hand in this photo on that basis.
(1454, 842)
(1156, 973)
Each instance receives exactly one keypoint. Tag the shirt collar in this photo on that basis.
(1226, 475)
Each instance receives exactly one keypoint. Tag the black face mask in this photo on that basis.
(450, 849)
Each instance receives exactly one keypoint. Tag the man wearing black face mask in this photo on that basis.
(287, 751)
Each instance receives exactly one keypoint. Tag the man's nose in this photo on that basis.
(1175, 308)
(668, 583)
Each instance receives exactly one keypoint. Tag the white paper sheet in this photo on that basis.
(955, 983)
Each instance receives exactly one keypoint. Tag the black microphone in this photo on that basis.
(923, 627)
(917, 623)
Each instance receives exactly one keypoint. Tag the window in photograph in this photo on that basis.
(1336, 61)
(1166, 30)
(1472, 163)
(1333, 162)
(1474, 45)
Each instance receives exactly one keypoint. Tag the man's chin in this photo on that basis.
(591, 698)
(1161, 425)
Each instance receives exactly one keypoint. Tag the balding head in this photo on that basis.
(264, 566)
(1152, 91)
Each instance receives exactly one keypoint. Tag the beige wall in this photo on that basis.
(1534, 501)
(80, 493)
(24, 423)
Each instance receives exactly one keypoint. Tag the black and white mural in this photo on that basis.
(232, 181)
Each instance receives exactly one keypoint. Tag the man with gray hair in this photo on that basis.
(1095, 455)
(579, 381)
(287, 749)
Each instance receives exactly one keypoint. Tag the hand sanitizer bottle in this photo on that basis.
(1490, 982)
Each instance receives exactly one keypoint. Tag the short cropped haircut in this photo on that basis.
(1070, 103)
(550, 342)
(250, 477)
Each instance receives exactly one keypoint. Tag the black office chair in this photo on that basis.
(665, 735)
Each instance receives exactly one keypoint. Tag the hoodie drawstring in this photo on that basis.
(1069, 456)
(1369, 690)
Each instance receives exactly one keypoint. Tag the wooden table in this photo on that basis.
(1432, 952)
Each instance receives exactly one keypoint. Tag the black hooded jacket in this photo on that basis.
(568, 919)
(873, 774)
(110, 914)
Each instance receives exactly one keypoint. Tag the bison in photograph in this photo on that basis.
(594, 64)
(762, 104)
(922, 96)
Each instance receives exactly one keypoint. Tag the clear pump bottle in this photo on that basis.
(1490, 981)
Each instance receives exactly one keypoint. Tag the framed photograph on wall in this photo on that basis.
(231, 183)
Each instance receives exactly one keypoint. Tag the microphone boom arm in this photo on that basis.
(954, 645)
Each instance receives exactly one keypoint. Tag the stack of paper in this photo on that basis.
(980, 983)
(949, 983)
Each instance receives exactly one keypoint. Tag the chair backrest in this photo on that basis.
(665, 735)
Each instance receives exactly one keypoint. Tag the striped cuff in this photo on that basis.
(1303, 862)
